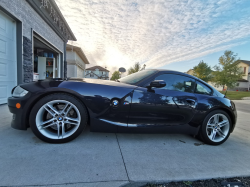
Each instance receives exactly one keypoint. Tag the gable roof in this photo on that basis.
(246, 62)
(79, 51)
(97, 67)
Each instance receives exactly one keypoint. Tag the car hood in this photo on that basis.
(71, 83)
(100, 82)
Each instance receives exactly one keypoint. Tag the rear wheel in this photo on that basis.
(58, 118)
(216, 127)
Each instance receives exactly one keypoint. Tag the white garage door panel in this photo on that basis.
(5, 92)
(7, 49)
(8, 65)
(7, 28)
(3, 69)
(7, 70)
(79, 72)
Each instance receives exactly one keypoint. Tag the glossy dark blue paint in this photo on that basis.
(160, 107)
(138, 108)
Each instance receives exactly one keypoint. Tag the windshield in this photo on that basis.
(137, 77)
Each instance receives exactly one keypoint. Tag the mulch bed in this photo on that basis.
(230, 182)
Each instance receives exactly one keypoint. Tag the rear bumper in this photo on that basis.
(20, 118)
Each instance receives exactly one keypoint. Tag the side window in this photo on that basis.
(202, 89)
(177, 82)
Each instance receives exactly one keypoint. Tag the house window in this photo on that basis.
(245, 68)
(91, 75)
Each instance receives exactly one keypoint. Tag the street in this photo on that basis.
(107, 159)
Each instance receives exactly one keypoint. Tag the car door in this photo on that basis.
(173, 104)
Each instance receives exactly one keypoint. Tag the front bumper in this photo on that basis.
(20, 119)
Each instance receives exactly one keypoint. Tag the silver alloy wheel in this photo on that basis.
(58, 119)
(217, 127)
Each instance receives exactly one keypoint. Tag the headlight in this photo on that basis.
(19, 92)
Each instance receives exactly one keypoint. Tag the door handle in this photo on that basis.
(191, 101)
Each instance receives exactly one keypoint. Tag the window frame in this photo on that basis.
(145, 85)
(197, 81)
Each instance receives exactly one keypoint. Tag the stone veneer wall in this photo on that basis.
(65, 69)
(27, 60)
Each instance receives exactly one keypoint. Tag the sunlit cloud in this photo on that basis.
(115, 33)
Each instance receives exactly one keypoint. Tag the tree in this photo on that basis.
(227, 72)
(115, 75)
(135, 68)
(203, 71)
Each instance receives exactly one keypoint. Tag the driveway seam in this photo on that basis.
(122, 156)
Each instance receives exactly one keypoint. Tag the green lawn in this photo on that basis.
(233, 95)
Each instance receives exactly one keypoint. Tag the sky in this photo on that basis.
(167, 34)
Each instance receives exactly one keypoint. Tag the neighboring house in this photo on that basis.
(97, 72)
(190, 72)
(32, 41)
(242, 84)
(76, 61)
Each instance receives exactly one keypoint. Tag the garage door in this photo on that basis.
(8, 71)
(79, 72)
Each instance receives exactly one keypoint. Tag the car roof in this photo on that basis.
(176, 72)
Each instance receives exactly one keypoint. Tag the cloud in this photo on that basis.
(116, 33)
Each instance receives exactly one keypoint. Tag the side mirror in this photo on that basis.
(157, 84)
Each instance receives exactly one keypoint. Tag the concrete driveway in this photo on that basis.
(102, 159)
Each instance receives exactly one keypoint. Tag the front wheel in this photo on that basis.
(216, 128)
(58, 118)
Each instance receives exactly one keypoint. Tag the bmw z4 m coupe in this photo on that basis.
(149, 101)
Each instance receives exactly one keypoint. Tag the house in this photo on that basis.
(76, 61)
(97, 72)
(242, 84)
(32, 43)
(190, 72)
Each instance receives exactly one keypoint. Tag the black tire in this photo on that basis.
(58, 96)
(203, 134)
